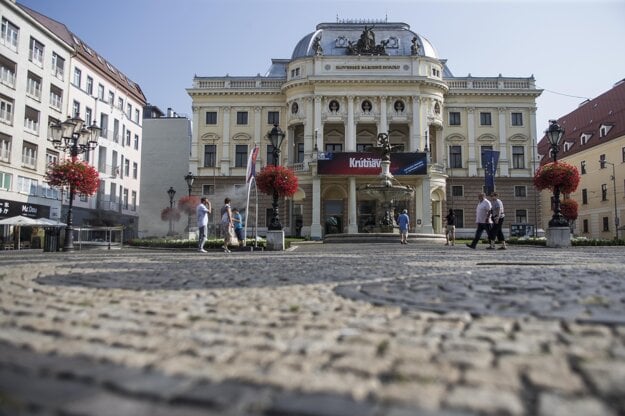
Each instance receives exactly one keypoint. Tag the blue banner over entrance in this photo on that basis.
(364, 163)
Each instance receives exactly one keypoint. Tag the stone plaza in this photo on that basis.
(319, 329)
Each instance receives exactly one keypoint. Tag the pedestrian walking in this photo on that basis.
(227, 228)
(202, 210)
(498, 216)
(237, 219)
(450, 228)
(404, 224)
(483, 221)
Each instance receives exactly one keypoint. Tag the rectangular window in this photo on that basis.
(584, 196)
(300, 153)
(75, 109)
(31, 120)
(26, 185)
(604, 192)
(211, 117)
(104, 125)
(120, 103)
(454, 118)
(136, 142)
(459, 218)
(129, 111)
(58, 66)
(36, 52)
(241, 117)
(210, 155)
(33, 86)
(240, 156)
(133, 206)
(457, 190)
(482, 150)
(88, 116)
(521, 215)
(112, 98)
(606, 224)
(623, 155)
(137, 115)
(585, 226)
(77, 77)
(518, 157)
(56, 97)
(273, 117)
(89, 88)
(135, 170)
(125, 198)
(10, 34)
(126, 167)
(455, 157)
(334, 147)
(7, 71)
(100, 92)
(485, 119)
(602, 161)
(583, 167)
(6, 110)
(520, 191)
(5, 182)
(5, 148)
(517, 119)
(208, 189)
(128, 135)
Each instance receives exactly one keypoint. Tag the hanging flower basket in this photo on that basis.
(568, 208)
(82, 176)
(560, 174)
(170, 214)
(188, 204)
(278, 179)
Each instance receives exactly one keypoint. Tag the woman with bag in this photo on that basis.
(227, 228)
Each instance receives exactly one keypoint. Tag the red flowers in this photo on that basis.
(188, 204)
(170, 214)
(560, 174)
(277, 179)
(83, 177)
(568, 208)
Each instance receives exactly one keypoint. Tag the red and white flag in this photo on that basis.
(251, 165)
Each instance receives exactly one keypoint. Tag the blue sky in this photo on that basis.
(574, 49)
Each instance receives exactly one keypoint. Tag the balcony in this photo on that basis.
(497, 83)
(31, 125)
(7, 77)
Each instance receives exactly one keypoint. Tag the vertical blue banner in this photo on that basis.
(491, 159)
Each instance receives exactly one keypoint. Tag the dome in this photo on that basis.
(339, 39)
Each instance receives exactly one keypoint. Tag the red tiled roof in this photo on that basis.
(606, 109)
(98, 62)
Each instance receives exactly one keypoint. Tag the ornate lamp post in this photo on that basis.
(72, 136)
(171, 192)
(275, 136)
(554, 135)
(189, 178)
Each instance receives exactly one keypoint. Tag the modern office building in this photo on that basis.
(345, 83)
(165, 160)
(49, 73)
(594, 142)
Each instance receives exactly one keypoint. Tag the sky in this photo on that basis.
(573, 48)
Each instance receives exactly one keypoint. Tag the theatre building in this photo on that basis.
(345, 83)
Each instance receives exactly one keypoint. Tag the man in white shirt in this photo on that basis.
(498, 216)
(202, 210)
(483, 221)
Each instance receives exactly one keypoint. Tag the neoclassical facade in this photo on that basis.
(345, 83)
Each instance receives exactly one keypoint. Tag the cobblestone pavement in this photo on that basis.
(384, 330)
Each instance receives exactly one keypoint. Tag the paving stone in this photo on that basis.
(318, 405)
(491, 400)
(555, 405)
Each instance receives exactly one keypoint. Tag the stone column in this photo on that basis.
(426, 202)
(308, 130)
(472, 162)
(383, 125)
(224, 163)
(352, 224)
(350, 136)
(316, 232)
(504, 162)
(193, 158)
(318, 126)
(417, 140)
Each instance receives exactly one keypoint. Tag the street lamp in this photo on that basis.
(189, 178)
(171, 192)
(275, 136)
(616, 221)
(72, 136)
(554, 135)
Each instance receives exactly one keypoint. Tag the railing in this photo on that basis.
(32, 125)
(33, 90)
(299, 167)
(491, 83)
(30, 161)
(99, 237)
(7, 76)
(6, 116)
(5, 155)
(246, 83)
(56, 101)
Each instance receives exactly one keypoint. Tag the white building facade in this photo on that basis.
(58, 75)
(345, 83)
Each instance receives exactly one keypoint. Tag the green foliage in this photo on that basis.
(170, 243)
